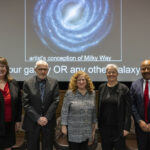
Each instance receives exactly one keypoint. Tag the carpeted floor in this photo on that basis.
(131, 144)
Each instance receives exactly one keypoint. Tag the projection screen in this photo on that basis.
(73, 35)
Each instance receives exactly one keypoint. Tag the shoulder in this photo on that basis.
(69, 92)
(122, 87)
(136, 86)
(14, 86)
(92, 93)
(30, 80)
(137, 82)
(13, 82)
(52, 80)
(102, 86)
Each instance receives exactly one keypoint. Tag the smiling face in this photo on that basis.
(81, 82)
(111, 74)
(3, 71)
(41, 71)
(145, 69)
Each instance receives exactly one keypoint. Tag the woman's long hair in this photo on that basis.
(3, 61)
(73, 82)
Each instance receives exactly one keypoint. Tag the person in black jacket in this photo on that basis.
(140, 89)
(114, 111)
(10, 107)
(40, 100)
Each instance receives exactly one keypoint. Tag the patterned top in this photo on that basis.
(79, 113)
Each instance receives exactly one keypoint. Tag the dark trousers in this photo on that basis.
(9, 139)
(78, 146)
(143, 139)
(111, 140)
(45, 134)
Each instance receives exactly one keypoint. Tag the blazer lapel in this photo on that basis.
(141, 96)
(10, 89)
(141, 89)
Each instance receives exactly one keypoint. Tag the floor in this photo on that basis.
(131, 143)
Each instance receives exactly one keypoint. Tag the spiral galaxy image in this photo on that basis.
(72, 25)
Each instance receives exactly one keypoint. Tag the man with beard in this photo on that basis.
(140, 94)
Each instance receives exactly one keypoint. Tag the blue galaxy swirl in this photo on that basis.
(72, 25)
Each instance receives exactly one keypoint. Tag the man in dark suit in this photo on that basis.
(140, 94)
(40, 100)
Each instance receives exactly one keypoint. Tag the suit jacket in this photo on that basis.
(124, 106)
(137, 97)
(33, 105)
(15, 103)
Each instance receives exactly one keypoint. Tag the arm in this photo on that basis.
(142, 124)
(127, 123)
(65, 110)
(30, 111)
(94, 119)
(135, 113)
(18, 109)
(52, 108)
(18, 104)
(64, 114)
(99, 99)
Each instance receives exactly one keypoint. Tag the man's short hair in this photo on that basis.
(40, 62)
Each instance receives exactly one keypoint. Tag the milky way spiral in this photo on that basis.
(72, 25)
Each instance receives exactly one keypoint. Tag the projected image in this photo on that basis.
(72, 25)
(75, 35)
(81, 30)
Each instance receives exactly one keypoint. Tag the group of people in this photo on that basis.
(40, 98)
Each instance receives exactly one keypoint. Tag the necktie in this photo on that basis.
(146, 100)
(42, 89)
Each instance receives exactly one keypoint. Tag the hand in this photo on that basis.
(125, 132)
(90, 142)
(17, 126)
(42, 121)
(93, 135)
(144, 126)
(64, 129)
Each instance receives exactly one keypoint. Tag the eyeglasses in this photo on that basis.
(145, 68)
(79, 80)
(111, 72)
(2, 66)
(42, 69)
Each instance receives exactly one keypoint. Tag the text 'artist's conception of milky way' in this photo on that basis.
(72, 25)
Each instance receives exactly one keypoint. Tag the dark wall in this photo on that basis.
(64, 85)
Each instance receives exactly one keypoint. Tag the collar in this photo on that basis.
(78, 92)
(146, 80)
(39, 80)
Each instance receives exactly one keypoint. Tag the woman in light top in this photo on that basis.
(78, 115)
